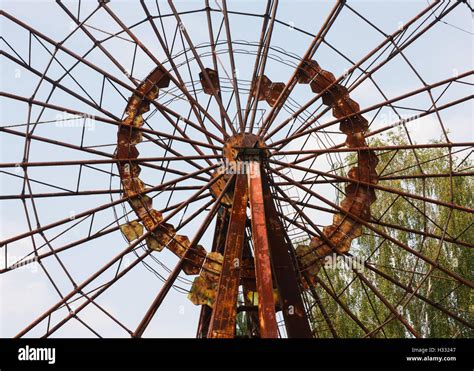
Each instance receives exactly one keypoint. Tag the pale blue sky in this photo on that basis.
(441, 52)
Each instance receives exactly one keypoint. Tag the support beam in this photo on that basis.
(263, 270)
(223, 318)
(296, 321)
(248, 287)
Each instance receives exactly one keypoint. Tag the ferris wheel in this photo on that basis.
(257, 169)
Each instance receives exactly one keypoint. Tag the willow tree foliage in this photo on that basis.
(403, 218)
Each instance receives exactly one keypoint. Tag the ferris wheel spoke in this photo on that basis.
(444, 238)
(378, 187)
(261, 61)
(453, 240)
(179, 266)
(132, 246)
(43, 237)
(110, 315)
(388, 102)
(343, 306)
(56, 84)
(389, 39)
(392, 176)
(422, 298)
(359, 275)
(164, 46)
(374, 148)
(388, 178)
(394, 312)
(449, 155)
(386, 128)
(369, 74)
(108, 121)
(321, 307)
(191, 100)
(100, 233)
(88, 300)
(232, 64)
(196, 146)
(104, 161)
(429, 219)
(118, 275)
(168, 184)
(204, 72)
(381, 233)
(215, 63)
(260, 64)
(374, 311)
(164, 109)
(267, 122)
(81, 26)
(95, 152)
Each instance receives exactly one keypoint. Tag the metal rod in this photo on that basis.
(223, 319)
(293, 79)
(263, 63)
(379, 187)
(374, 148)
(263, 269)
(104, 206)
(285, 269)
(387, 40)
(179, 266)
(183, 30)
(435, 264)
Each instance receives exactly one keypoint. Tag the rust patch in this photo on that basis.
(214, 78)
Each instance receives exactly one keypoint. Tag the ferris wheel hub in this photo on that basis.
(244, 146)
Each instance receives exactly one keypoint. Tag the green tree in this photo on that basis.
(393, 210)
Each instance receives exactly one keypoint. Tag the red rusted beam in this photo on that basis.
(224, 313)
(296, 321)
(263, 270)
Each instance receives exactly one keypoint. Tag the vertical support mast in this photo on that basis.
(271, 257)
(263, 270)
